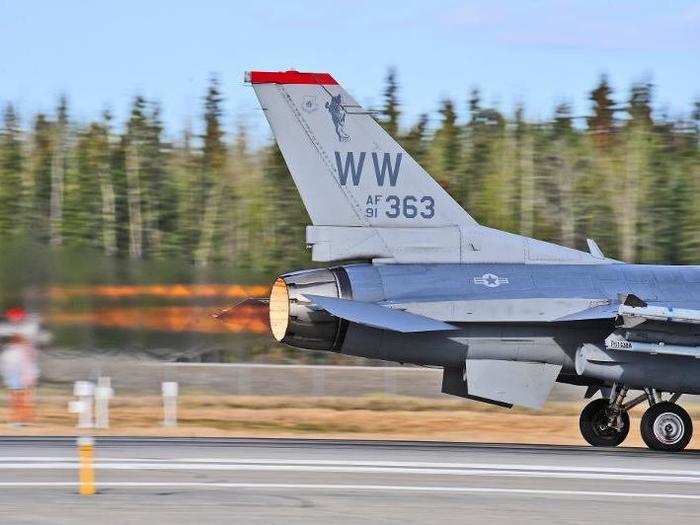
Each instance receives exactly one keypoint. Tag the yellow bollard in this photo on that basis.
(86, 474)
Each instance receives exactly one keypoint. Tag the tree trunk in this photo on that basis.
(133, 194)
(566, 188)
(632, 176)
(57, 180)
(211, 212)
(527, 187)
(109, 237)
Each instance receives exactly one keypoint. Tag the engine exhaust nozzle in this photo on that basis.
(295, 321)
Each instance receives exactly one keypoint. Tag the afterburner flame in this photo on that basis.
(249, 319)
(160, 290)
(279, 309)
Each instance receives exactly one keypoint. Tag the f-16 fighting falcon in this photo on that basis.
(504, 315)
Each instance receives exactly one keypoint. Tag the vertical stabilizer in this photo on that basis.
(348, 170)
(367, 198)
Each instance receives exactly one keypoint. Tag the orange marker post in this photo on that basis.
(86, 473)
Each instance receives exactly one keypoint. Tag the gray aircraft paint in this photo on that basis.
(517, 335)
(520, 313)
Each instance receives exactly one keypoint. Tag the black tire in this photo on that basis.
(594, 425)
(666, 426)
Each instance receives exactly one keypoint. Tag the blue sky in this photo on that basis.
(537, 52)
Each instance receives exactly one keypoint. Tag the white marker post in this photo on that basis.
(169, 389)
(84, 391)
(103, 393)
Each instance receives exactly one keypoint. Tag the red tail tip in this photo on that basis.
(289, 77)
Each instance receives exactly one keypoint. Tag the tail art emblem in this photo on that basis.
(310, 104)
(490, 280)
(337, 112)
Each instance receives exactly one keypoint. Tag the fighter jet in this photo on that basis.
(505, 316)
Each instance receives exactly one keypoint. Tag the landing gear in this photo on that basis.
(601, 426)
(666, 426)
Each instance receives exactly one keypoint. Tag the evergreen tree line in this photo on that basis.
(626, 176)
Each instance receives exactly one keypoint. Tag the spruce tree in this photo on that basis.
(563, 123)
(103, 165)
(602, 123)
(159, 196)
(186, 175)
(639, 105)
(560, 175)
(474, 104)
(213, 148)
(390, 110)
(58, 171)
(41, 175)
(484, 136)
(415, 141)
(523, 207)
(288, 215)
(11, 165)
(448, 139)
(133, 164)
(81, 200)
(213, 179)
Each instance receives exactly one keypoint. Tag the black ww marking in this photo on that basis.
(352, 167)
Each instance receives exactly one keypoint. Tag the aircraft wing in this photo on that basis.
(377, 316)
(605, 311)
(634, 312)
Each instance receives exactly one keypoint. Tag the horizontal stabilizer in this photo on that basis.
(513, 382)
(377, 316)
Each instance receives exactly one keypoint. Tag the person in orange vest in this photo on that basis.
(18, 363)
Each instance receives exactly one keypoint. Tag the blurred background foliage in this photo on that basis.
(90, 202)
(626, 174)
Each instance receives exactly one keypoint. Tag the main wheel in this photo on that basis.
(595, 428)
(666, 426)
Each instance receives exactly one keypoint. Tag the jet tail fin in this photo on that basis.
(366, 196)
(348, 170)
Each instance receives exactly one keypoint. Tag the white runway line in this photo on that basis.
(345, 487)
(359, 463)
(424, 464)
(446, 469)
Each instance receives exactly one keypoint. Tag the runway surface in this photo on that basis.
(174, 481)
